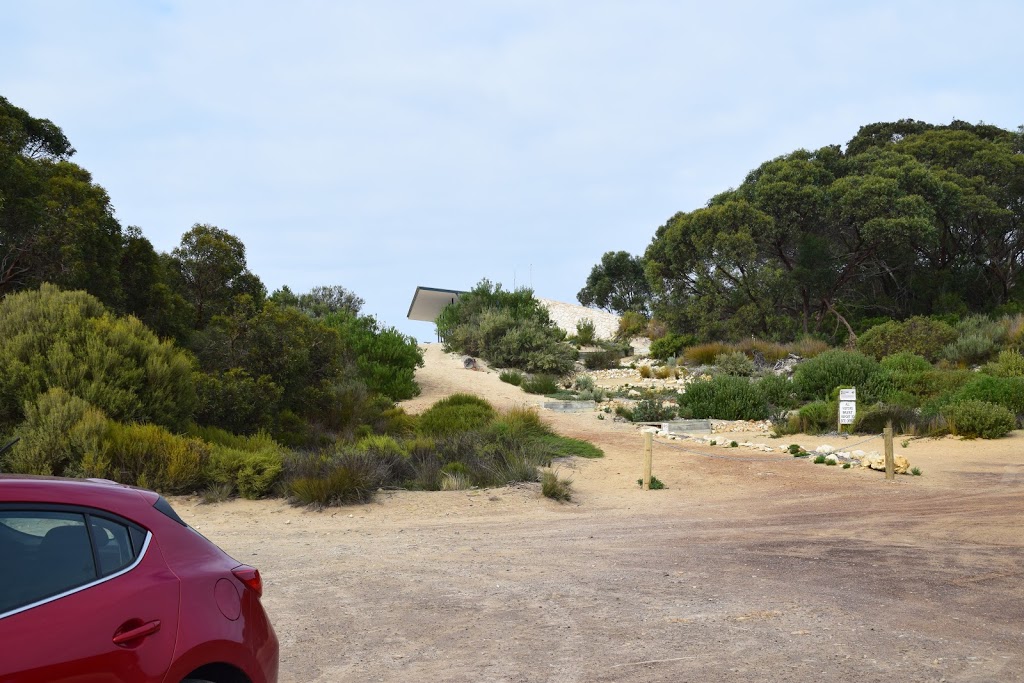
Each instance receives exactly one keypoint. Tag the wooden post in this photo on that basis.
(648, 459)
(890, 466)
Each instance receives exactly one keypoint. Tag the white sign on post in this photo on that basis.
(847, 412)
(847, 394)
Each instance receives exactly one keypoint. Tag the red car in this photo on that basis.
(104, 582)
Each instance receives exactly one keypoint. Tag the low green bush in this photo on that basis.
(541, 384)
(583, 383)
(601, 360)
(1009, 363)
(252, 474)
(734, 363)
(778, 392)
(924, 336)
(725, 397)
(671, 345)
(342, 479)
(59, 431)
(818, 416)
(819, 376)
(974, 419)
(1007, 392)
(631, 324)
(971, 349)
(513, 377)
(653, 410)
(555, 487)
(585, 332)
(151, 457)
(456, 413)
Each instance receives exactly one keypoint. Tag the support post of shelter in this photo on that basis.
(890, 465)
(648, 459)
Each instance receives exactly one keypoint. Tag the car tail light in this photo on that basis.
(250, 576)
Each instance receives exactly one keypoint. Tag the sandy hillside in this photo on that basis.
(748, 567)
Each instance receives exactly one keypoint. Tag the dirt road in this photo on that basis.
(749, 567)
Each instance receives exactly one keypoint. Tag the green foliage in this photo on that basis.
(454, 414)
(918, 335)
(583, 383)
(252, 473)
(725, 397)
(540, 384)
(652, 410)
(385, 359)
(236, 401)
(973, 419)
(916, 471)
(817, 417)
(558, 446)
(631, 324)
(778, 392)
(1007, 392)
(344, 478)
(320, 302)
(735, 363)
(585, 332)
(68, 340)
(555, 487)
(59, 431)
(655, 485)
(1009, 363)
(971, 349)
(671, 345)
(152, 457)
(819, 376)
(601, 360)
(819, 460)
(508, 329)
(617, 284)
(513, 377)
(808, 347)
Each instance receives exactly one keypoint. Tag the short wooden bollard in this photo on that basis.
(890, 464)
(648, 459)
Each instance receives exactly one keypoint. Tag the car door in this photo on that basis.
(84, 596)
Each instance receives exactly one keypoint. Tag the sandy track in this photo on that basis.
(742, 570)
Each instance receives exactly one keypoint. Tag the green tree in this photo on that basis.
(212, 268)
(617, 284)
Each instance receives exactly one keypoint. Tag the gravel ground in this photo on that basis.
(748, 567)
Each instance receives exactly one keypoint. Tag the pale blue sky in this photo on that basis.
(383, 145)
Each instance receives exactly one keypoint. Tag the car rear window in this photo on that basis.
(48, 552)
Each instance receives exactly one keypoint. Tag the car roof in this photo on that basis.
(101, 493)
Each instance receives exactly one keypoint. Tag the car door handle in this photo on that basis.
(124, 637)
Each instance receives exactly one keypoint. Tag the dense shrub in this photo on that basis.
(508, 329)
(1004, 391)
(1009, 363)
(970, 349)
(631, 324)
(555, 488)
(671, 345)
(818, 416)
(902, 378)
(541, 384)
(923, 336)
(344, 478)
(59, 430)
(583, 383)
(385, 359)
(252, 473)
(734, 363)
(778, 392)
(237, 402)
(586, 332)
(61, 339)
(150, 456)
(973, 419)
(456, 413)
(653, 410)
(725, 397)
(601, 360)
(817, 377)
